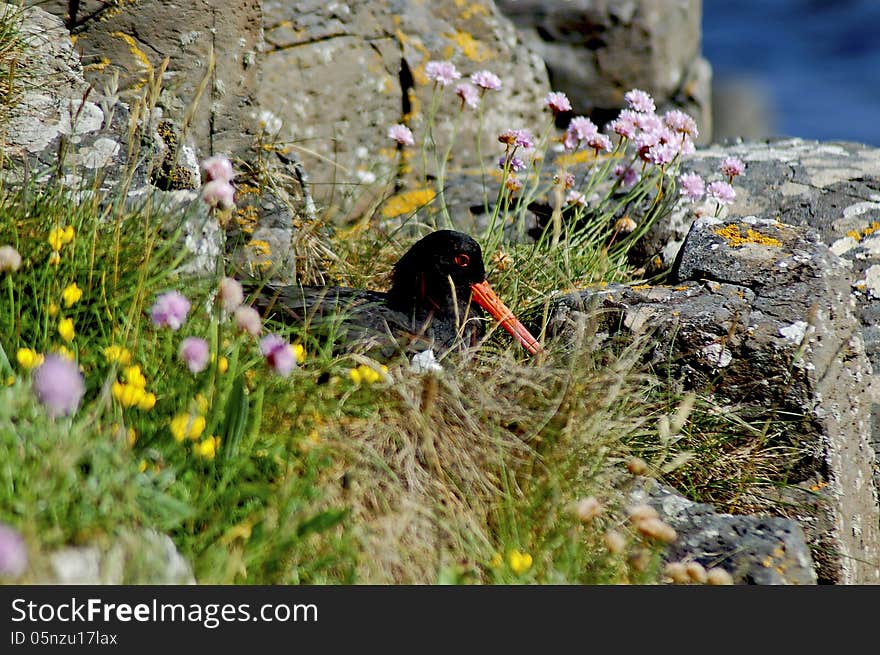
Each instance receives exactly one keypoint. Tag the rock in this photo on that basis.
(597, 50)
(338, 75)
(763, 312)
(764, 550)
(133, 40)
(134, 558)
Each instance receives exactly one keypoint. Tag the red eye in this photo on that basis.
(462, 260)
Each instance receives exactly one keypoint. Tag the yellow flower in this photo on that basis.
(496, 561)
(147, 401)
(519, 562)
(117, 354)
(65, 352)
(55, 258)
(28, 358)
(71, 295)
(131, 437)
(134, 377)
(299, 352)
(223, 365)
(65, 329)
(207, 448)
(201, 403)
(127, 395)
(53, 309)
(186, 426)
(368, 374)
(55, 239)
(68, 234)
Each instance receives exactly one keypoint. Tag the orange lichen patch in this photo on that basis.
(818, 486)
(683, 287)
(858, 235)
(407, 202)
(731, 233)
(640, 287)
(97, 66)
(247, 218)
(139, 55)
(470, 47)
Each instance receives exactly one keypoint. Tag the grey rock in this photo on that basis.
(337, 75)
(763, 550)
(597, 50)
(146, 557)
(764, 312)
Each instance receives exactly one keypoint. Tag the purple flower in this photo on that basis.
(692, 186)
(731, 167)
(231, 294)
(442, 72)
(681, 122)
(194, 351)
(721, 192)
(639, 101)
(518, 138)
(278, 353)
(217, 168)
(59, 385)
(402, 134)
(247, 319)
(515, 163)
(219, 193)
(486, 80)
(468, 94)
(627, 175)
(582, 127)
(13, 552)
(170, 310)
(557, 101)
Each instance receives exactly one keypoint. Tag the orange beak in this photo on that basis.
(484, 296)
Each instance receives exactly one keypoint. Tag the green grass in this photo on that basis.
(466, 477)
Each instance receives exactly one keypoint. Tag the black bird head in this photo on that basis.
(441, 274)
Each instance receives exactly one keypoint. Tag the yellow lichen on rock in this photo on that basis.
(407, 202)
(731, 233)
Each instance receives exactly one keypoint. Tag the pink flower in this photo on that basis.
(599, 142)
(194, 351)
(721, 192)
(681, 122)
(627, 175)
(731, 167)
(486, 80)
(231, 294)
(217, 168)
(442, 72)
(170, 310)
(557, 101)
(59, 385)
(662, 153)
(219, 193)
(13, 552)
(625, 124)
(468, 94)
(402, 134)
(247, 319)
(518, 138)
(639, 101)
(575, 198)
(692, 186)
(278, 353)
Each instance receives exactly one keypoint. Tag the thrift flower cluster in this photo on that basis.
(694, 187)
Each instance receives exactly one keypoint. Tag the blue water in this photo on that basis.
(819, 59)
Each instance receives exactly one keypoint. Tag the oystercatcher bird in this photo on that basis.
(437, 290)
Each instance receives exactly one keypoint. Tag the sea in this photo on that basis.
(816, 63)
